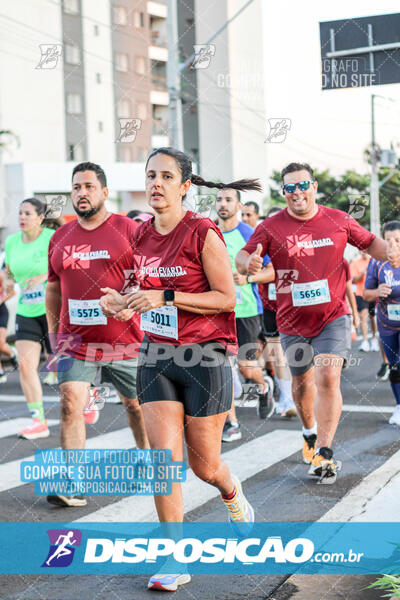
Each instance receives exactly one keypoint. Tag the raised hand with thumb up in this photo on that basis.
(255, 261)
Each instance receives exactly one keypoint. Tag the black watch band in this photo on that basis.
(169, 297)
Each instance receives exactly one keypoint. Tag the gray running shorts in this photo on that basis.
(121, 373)
(333, 339)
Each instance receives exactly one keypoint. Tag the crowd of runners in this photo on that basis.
(181, 314)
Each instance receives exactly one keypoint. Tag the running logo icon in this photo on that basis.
(203, 54)
(63, 543)
(286, 278)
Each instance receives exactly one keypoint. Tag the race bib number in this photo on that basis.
(161, 321)
(312, 292)
(272, 291)
(239, 297)
(86, 312)
(393, 312)
(34, 295)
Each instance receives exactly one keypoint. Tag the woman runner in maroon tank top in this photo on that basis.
(186, 299)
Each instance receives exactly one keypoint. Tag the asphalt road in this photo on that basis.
(275, 482)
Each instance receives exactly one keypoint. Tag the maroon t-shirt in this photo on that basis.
(84, 261)
(173, 261)
(306, 252)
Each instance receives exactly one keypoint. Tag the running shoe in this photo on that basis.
(395, 418)
(50, 379)
(63, 500)
(384, 372)
(3, 377)
(167, 583)
(364, 347)
(35, 431)
(374, 345)
(91, 413)
(241, 513)
(231, 432)
(266, 402)
(309, 448)
(324, 467)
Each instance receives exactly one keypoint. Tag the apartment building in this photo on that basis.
(81, 80)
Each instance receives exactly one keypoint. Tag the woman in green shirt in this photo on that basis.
(27, 263)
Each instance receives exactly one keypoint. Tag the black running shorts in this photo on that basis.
(3, 315)
(248, 329)
(33, 329)
(199, 376)
(270, 328)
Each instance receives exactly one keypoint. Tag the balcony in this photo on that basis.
(158, 53)
(159, 82)
(156, 9)
(159, 98)
(158, 39)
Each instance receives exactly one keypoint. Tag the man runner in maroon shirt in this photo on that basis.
(306, 242)
(84, 256)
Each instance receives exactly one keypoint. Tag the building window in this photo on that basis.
(75, 152)
(98, 77)
(140, 65)
(120, 15)
(71, 7)
(96, 30)
(100, 125)
(121, 62)
(74, 104)
(142, 110)
(138, 19)
(125, 153)
(72, 54)
(124, 108)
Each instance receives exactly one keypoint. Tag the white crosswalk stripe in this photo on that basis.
(244, 461)
(10, 471)
(13, 426)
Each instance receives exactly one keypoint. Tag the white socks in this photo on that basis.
(310, 431)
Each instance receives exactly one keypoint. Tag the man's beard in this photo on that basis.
(86, 214)
(225, 217)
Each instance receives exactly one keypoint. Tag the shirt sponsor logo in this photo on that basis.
(303, 244)
(151, 268)
(95, 255)
(79, 256)
(389, 278)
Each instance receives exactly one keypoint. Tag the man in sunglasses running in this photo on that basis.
(306, 242)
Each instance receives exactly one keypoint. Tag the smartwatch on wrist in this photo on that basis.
(169, 297)
(249, 279)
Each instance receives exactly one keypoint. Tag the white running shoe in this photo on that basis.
(395, 418)
(364, 346)
(374, 345)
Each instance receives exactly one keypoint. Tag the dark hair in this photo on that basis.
(39, 206)
(293, 167)
(185, 166)
(89, 166)
(256, 207)
(390, 226)
(133, 213)
(272, 210)
(53, 222)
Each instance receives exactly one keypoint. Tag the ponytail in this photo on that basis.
(185, 166)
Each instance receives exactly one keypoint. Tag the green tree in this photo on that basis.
(350, 192)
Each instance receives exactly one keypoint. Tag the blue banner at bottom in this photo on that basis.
(210, 548)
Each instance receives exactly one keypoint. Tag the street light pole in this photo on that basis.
(374, 186)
